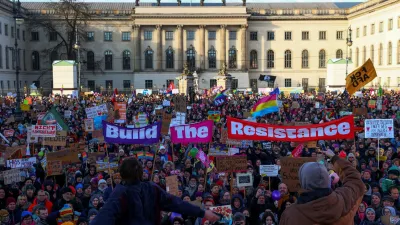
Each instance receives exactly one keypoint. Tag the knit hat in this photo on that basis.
(30, 187)
(377, 194)
(102, 181)
(79, 186)
(313, 176)
(10, 200)
(394, 170)
(73, 190)
(25, 214)
(199, 194)
(370, 210)
(66, 190)
(387, 198)
(350, 155)
(92, 212)
(239, 217)
(66, 211)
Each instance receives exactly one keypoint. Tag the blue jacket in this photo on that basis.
(141, 204)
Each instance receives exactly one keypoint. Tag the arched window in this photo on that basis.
(148, 58)
(357, 55)
(253, 59)
(232, 57)
(108, 60)
(372, 53)
(364, 54)
(212, 58)
(1, 57)
(170, 58)
(339, 54)
(288, 59)
(380, 55)
(126, 60)
(304, 59)
(35, 61)
(191, 58)
(322, 59)
(53, 57)
(90, 60)
(270, 59)
(390, 51)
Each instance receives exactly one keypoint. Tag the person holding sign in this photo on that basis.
(317, 203)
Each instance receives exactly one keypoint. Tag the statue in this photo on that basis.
(224, 2)
(222, 71)
(179, 2)
(244, 2)
(136, 2)
(201, 2)
(186, 70)
(158, 2)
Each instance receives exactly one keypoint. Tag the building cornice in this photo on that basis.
(277, 18)
(368, 7)
(190, 16)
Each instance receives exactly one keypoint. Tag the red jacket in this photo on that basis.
(47, 204)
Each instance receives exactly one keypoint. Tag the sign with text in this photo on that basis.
(21, 163)
(89, 125)
(379, 128)
(360, 111)
(59, 140)
(244, 179)
(12, 176)
(66, 156)
(44, 130)
(8, 133)
(179, 103)
(231, 163)
(360, 77)
(172, 184)
(290, 171)
(92, 112)
(121, 107)
(192, 133)
(269, 170)
(54, 168)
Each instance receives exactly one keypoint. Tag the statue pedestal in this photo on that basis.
(224, 81)
(186, 83)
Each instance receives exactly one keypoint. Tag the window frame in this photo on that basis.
(169, 35)
(148, 35)
(108, 64)
(89, 38)
(126, 36)
(253, 36)
(271, 35)
(305, 35)
(288, 36)
(108, 36)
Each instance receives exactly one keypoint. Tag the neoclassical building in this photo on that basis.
(145, 45)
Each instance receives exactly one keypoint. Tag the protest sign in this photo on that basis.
(54, 168)
(379, 128)
(290, 171)
(44, 130)
(97, 121)
(172, 184)
(8, 133)
(372, 104)
(121, 107)
(360, 111)
(98, 134)
(224, 136)
(214, 116)
(67, 113)
(104, 166)
(89, 125)
(140, 120)
(244, 179)
(269, 170)
(295, 105)
(96, 111)
(59, 140)
(179, 103)
(360, 77)
(192, 133)
(25, 108)
(122, 135)
(12, 176)
(231, 163)
(166, 121)
(345, 113)
(233, 151)
(21, 163)
(166, 103)
(225, 211)
(65, 156)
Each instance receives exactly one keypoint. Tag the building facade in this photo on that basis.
(146, 46)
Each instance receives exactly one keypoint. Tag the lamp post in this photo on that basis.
(18, 20)
(349, 43)
(77, 46)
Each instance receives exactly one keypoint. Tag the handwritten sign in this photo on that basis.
(54, 168)
(12, 176)
(231, 163)
(166, 121)
(121, 107)
(89, 124)
(59, 140)
(104, 166)
(244, 179)
(44, 130)
(269, 170)
(66, 156)
(21, 163)
(172, 185)
(360, 111)
(8, 133)
(92, 112)
(180, 103)
(379, 128)
(290, 171)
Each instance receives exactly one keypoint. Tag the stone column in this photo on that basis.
(137, 47)
(223, 45)
(243, 49)
(179, 49)
(159, 47)
(202, 47)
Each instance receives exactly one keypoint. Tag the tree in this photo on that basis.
(61, 22)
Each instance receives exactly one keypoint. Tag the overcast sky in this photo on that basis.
(199, 1)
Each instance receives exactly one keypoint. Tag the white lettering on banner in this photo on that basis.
(191, 132)
(143, 133)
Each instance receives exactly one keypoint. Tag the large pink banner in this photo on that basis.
(192, 133)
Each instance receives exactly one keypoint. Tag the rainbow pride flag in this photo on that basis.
(266, 105)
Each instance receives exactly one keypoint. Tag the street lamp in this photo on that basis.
(349, 43)
(18, 20)
(77, 46)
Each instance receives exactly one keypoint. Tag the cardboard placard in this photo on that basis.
(59, 140)
(12, 176)
(172, 185)
(372, 104)
(15, 152)
(98, 134)
(360, 111)
(54, 168)
(21, 163)
(89, 125)
(180, 103)
(66, 156)
(290, 171)
(105, 166)
(231, 163)
(166, 121)
(224, 136)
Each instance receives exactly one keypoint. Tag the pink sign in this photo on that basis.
(192, 133)
(44, 130)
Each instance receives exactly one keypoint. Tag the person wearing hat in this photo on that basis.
(67, 198)
(392, 180)
(14, 213)
(317, 198)
(85, 197)
(101, 187)
(66, 214)
(92, 214)
(387, 201)
(370, 217)
(239, 219)
(26, 218)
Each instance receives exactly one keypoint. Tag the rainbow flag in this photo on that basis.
(221, 98)
(266, 105)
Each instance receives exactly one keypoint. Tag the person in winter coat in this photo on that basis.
(67, 198)
(14, 213)
(361, 214)
(237, 204)
(41, 199)
(26, 218)
(318, 204)
(370, 218)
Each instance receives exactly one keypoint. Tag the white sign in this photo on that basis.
(12, 176)
(244, 180)
(96, 111)
(269, 170)
(233, 151)
(67, 113)
(44, 130)
(379, 128)
(21, 163)
(166, 103)
(29, 137)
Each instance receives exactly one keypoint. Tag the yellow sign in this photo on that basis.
(25, 107)
(360, 77)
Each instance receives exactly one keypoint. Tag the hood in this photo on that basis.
(237, 197)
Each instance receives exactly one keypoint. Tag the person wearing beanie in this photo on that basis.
(79, 189)
(370, 217)
(101, 187)
(14, 213)
(67, 198)
(392, 180)
(92, 174)
(85, 197)
(26, 218)
(41, 199)
(92, 214)
(66, 214)
(317, 198)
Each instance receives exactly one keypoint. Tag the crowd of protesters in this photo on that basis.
(77, 196)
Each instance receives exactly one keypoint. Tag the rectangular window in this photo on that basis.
(190, 35)
(380, 26)
(1, 84)
(126, 36)
(339, 35)
(169, 35)
(390, 24)
(235, 83)
(126, 84)
(12, 31)
(253, 36)
(365, 31)
(34, 36)
(270, 35)
(305, 35)
(109, 85)
(148, 84)
(373, 28)
(90, 36)
(148, 35)
(212, 35)
(322, 35)
(91, 85)
(388, 81)
(232, 35)
(304, 83)
(213, 83)
(288, 35)
(8, 85)
(6, 29)
(107, 36)
(53, 36)
(358, 32)
(18, 36)
(288, 82)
